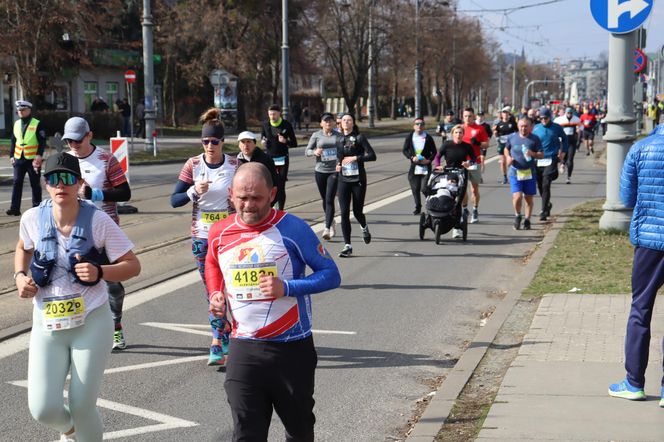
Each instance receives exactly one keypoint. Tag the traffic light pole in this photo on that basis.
(621, 131)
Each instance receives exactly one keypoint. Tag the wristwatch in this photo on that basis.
(20, 272)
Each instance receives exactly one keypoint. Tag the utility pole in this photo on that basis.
(418, 83)
(148, 77)
(514, 82)
(284, 60)
(372, 66)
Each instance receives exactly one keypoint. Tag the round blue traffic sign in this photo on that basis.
(620, 16)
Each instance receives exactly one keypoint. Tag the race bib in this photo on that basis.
(350, 169)
(246, 277)
(473, 167)
(213, 217)
(279, 161)
(421, 170)
(503, 139)
(329, 154)
(63, 312)
(523, 175)
(544, 162)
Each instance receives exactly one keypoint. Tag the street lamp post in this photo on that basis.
(371, 110)
(148, 78)
(284, 59)
(418, 83)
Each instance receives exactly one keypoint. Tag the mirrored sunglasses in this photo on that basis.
(214, 142)
(68, 179)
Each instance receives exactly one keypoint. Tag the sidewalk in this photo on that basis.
(556, 388)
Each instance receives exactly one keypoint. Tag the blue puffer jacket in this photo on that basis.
(642, 187)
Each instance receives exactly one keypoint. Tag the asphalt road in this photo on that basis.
(402, 317)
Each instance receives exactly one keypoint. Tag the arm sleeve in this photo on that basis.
(118, 193)
(406, 146)
(12, 145)
(179, 197)
(430, 147)
(41, 139)
(628, 182)
(563, 138)
(311, 146)
(291, 139)
(214, 279)
(369, 154)
(325, 274)
(471, 152)
(436, 159)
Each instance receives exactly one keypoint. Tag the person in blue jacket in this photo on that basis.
(641, 184)
(554, 145)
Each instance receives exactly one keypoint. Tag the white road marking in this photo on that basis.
(192, 328)
(166, 422)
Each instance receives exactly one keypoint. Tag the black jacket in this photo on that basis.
(272, 146)
(408, 150)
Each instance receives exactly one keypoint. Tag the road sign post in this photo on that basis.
(121, 153)
(621, 18)
(130, 78)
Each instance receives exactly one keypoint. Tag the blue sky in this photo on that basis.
(565, 29)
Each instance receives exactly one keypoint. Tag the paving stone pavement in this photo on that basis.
(556, 388)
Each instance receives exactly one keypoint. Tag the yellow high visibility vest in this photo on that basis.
(28, 144)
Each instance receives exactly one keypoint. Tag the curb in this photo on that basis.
(436, 413)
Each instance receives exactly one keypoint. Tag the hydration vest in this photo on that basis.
(81, 243)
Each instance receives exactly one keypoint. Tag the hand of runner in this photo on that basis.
(86, 271)
(26, 286)
(347, 160)
(218, 304)
(271, 286)
(202, 186)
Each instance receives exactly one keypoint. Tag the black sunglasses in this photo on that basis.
(214, 142)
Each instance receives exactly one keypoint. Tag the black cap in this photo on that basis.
(481, 113)
(326, 116)
(450, 112)
(62, 162)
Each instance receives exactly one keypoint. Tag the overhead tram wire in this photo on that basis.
(512, 9)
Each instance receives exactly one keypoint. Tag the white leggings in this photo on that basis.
(85, 350)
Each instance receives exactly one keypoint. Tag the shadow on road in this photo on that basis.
(349, 358)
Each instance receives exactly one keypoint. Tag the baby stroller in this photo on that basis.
(445, 190)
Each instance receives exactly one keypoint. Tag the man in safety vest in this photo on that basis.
(27, 147)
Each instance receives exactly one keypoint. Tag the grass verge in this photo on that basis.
(585, 257)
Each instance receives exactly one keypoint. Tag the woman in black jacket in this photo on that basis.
(352, 180)
(420, 150)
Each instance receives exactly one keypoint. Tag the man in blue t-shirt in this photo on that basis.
(521, 150)
(554, 145)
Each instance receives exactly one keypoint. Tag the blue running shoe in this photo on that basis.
(217, 356)
(626, 391)
(661, 401)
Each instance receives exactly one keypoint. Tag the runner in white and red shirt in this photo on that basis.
(256, 267)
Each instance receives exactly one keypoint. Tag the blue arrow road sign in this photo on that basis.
(620, 16)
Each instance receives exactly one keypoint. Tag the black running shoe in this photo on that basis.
(346, 251)
(526, 224)
(517, 222)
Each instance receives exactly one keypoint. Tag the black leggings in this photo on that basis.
(282, 171)
(116, 295)
(572, 144)
(327, 187)
(417, 184)
(357, 191)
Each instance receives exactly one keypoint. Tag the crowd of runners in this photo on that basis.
(71, 257)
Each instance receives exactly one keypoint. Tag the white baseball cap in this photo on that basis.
(246, 135)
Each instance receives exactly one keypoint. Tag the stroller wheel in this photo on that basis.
(437, 230)
(423, 225)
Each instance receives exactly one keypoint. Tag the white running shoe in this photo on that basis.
(68, 437)
(332, 231)
(457, 233)
(326, 234)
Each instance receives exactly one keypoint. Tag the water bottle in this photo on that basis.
(526, 152)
